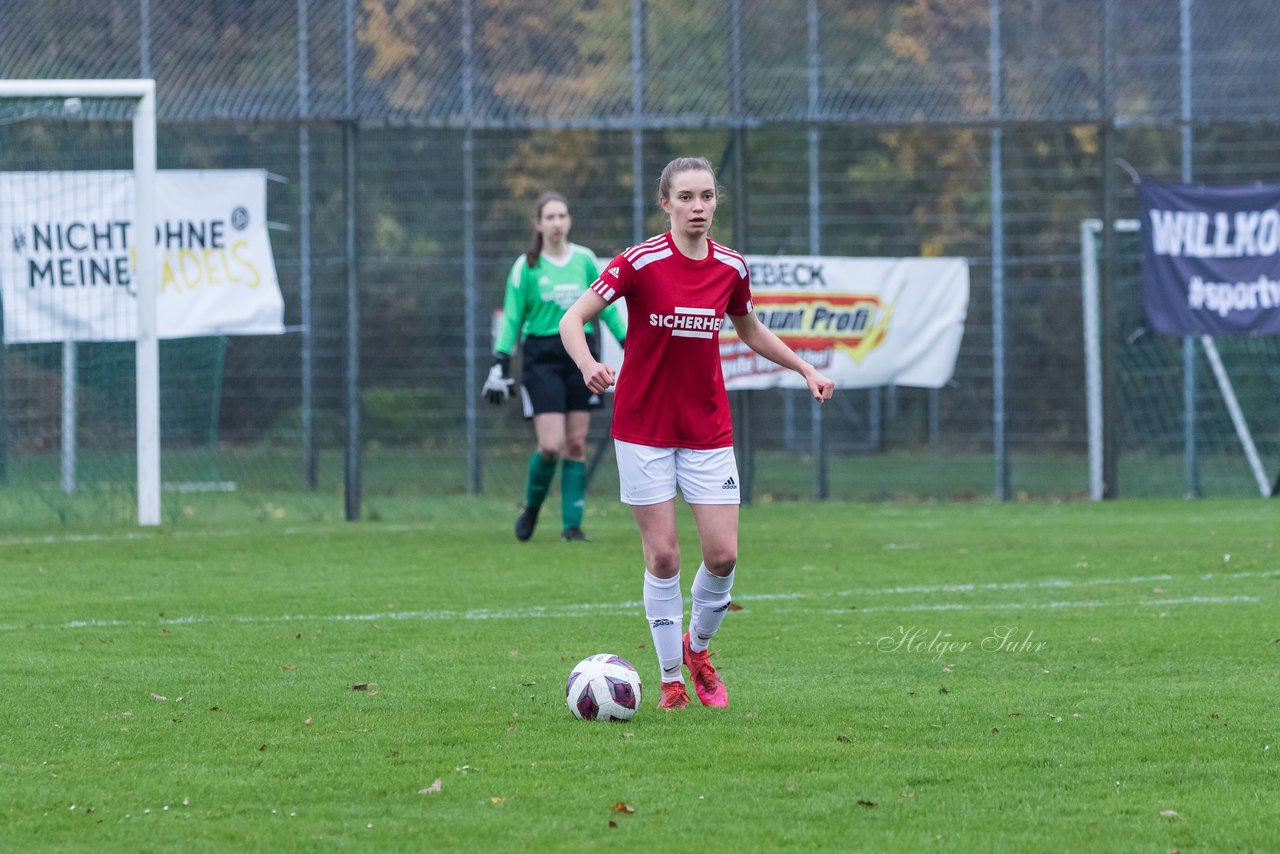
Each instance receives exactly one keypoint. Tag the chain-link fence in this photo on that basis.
(407, 139)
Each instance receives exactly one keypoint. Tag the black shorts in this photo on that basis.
(550, 381)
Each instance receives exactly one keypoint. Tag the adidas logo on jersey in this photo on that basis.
(613, 271)
(729, 484)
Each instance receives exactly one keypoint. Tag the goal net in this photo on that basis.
(80, 385)
(1231, 444)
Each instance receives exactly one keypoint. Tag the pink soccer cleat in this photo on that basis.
(673, 696)
(706, 681)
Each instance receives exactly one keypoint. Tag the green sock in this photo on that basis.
(572, 492)
(540, 473)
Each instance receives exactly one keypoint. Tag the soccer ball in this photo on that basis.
(603, 688)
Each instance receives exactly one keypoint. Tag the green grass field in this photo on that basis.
(953, 677)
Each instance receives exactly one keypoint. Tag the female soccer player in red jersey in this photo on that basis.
(671, 422)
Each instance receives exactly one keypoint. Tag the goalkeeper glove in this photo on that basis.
(498, 386)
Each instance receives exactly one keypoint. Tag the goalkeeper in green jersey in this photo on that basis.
(543, 283)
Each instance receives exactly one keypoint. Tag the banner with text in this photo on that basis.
(1211, 258)
(68, 256)
(864, 322)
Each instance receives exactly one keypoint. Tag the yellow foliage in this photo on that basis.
(1086, 137)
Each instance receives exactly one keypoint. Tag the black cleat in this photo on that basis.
(526, 522)
(572, 535)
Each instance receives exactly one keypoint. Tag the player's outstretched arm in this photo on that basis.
(597, 376)
(761, 339)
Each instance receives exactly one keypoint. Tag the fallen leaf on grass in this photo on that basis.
(612, 823)
(868, 804)
(432, 789)
(995, 730)
(1169, 813)
(370, 687)
(262, 748)
(289, 668)
(159, 698)
(496, 799)
(623, 807)
(307, 722)
(843, 739)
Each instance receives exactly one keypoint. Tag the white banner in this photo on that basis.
(68, 256)
(864, 322)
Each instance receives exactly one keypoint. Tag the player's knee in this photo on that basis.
(548, 453)
(664, 563)
(721, 562)
(574, 448)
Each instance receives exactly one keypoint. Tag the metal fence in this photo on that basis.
(410, 136)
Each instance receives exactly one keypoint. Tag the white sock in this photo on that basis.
(664, 609)
(710, 604)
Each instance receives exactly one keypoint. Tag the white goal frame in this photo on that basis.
(1090, 232)
(143, 95)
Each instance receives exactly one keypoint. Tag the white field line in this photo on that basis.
(1053, 606)
(128, 536)
(1050, 584)
(635, 608)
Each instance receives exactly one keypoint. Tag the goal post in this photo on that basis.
(1090, 232)
(142, 95)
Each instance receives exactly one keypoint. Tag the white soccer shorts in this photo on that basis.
(650, 475)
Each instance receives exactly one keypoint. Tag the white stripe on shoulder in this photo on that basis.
(649, 245)
(733, 259)
(517, 269)
(720, 247)
(649, 257)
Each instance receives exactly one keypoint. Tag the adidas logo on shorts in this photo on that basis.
(729, 484)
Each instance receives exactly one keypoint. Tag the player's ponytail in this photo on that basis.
(535, 243)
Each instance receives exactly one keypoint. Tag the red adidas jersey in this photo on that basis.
(670, 391)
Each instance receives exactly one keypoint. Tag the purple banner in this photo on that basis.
(1211, 258)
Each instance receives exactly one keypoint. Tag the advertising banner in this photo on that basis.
(68, 256)
(1211, 258)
